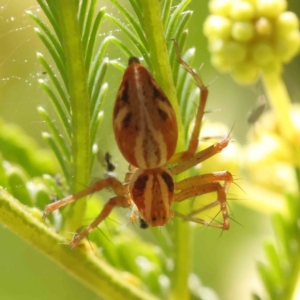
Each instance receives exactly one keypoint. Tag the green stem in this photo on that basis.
(163, 74)
(159, 54)
(280, 103)
(79, 101)
(293, 291)
(84, 265)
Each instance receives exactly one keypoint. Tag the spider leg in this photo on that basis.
(200, 156)
(112, 182)
(197, 220)
(121, 201)
(129, 174)
(194, 181)
(134, 214)
(203, 184)
(199, 114)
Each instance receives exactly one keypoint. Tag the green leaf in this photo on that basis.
(50, 73)
(58, 139)
(79, 262)
(22, 150)
(17, 180)
(93, 36)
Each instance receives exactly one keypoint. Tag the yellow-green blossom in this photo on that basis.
(246, 36)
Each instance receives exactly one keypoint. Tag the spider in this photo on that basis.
(145, 130)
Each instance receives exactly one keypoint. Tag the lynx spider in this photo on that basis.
(145, 130)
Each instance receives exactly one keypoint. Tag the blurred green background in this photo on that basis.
(226, 263)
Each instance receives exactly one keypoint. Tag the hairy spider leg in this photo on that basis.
(203, 184)
(201, 190)
(200, 156)
(122, 200)
(112, 182)
(194, 141)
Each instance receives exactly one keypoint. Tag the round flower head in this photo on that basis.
(246, 36)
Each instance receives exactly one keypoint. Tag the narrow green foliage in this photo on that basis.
(52, 76)
(135, 39)
(56, 150)
(97, 111)
(47, 32)
(93, 36)
(120, 45)
(134, 24)
(75, 85)
(59, 62)
(61, 143)
(166, 12)
(88, 23)
(54, 185)
(99, 58)
(136, 6)
(19, 149)
(17, 180)
(83, 14)
(183, 79)
(3, 175)
(282, 273)
(179, 31)
(58, 107)
(99, 78)
(118, 65)
(175, 19)
(49, 11)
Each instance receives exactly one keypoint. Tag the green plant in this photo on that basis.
(77, 91)
(130, 263)
(251, 40)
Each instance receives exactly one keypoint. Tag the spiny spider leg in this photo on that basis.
(121, 201)
(201, 184)
(205, 189)
(204, 179)
(197, 220)
(199, 114)
(112, 182)
(200, 156)
(205, 183)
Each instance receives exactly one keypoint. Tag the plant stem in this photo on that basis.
(163, 74)
(293, 291)
(159, 54)
(80, 263)
(79, 101)
(280, 103)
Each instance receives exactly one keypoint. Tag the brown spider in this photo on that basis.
(145, 129)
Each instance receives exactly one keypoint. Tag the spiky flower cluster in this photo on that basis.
(246, 36)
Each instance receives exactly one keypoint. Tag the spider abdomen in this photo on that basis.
(152, 191)
(144, 121)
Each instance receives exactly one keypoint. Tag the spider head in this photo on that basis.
(152, 191)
